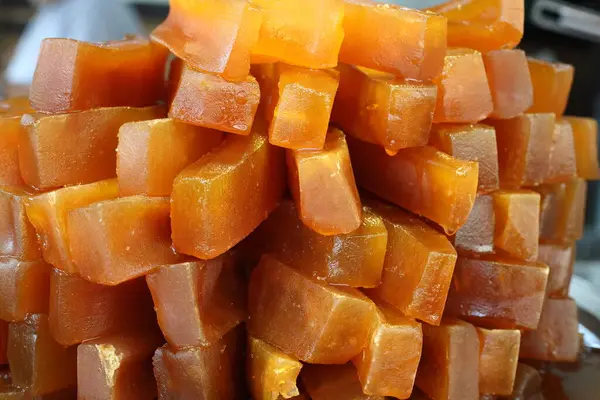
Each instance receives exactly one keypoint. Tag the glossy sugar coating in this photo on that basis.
(563, 164)
(379, 108)
(152, 153)
(418, 265)
(306, 318)
(17, 235)
(477, 234)
(239, 183)
(37, 362)
(210, 300)
(271, 372)
(510, 82)
(215, 36)
(463, 94)
(210, 101)
(77, 76)
(517, 223)
(10, 131)
(114, 241)
(323, 187)
(25, 288)
(470, 143)
(449, 367)
(524, 144)
(334, 382)
(48, 214)
(551, 86)
(3, 341)
(498, 359)
(448, 197)
(560, 259)
(404, 42)
(497, 292)
(557, 337)
(76, 148)
(585, 137)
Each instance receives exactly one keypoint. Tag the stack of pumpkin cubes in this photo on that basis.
(322, 199)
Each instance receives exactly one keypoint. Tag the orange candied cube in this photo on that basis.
(15, 106)
(551, 86)
(470, 143)
(114, 241)
(271, 372)
(76, 148)
(418, 265)
(215, 36)
(239, 183)
(563, 164)
(379, 108)
(402, 41)
(18, 238)
(3, 341)
(463, 94)
(211, 101)
(323, 187)
(449, 367)
(560, 259)
(329, 325)
(585, 136)
(77, 76)
(334, 382)
(562, 211)
(150, 154)
(510, 82)
(497, 292)
(498, 359)
(25, 288)
(10, 131)
(446, 198)
(48, 214)
(477, 234)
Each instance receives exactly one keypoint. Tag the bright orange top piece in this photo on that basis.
(25, 288)
(18, 235)
(334, 382)
(585, 135)
(477, 234)
(10, 132)
(551, 86)
(498, 359)
(77, 76)
(561, 260)
(402, 41)
(563, 164)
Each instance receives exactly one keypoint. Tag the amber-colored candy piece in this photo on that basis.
(114, 241)
(379, 108)
(562, 211)
(76, 76)
(563, 164)
(37, 362)
(239, 183)
(551, 86)
(334, 382)
(498, 360)
(497, 292)
(266, 75)
(3, 341)
(323, 187)
(557, 336)
(210, 101)
(517, 223)
(470, 143)
(446, 199)
(271, 372)
(15, 106)
(463, 91)
(524, 145)
(48, 213)
(17, 235)
(449, 367)
(477, 234)
(560, 259)
(151, 154)
(528, 383)
(76, 148)
(25, 288)
(329, 325)
(10, 131)
(585, 136)
(418, 265)
(402, 41)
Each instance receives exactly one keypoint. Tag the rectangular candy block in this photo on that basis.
(498, 359)
(114, 241)
(446, 199)
(334, 382)
(379, 108)
(10, 130)
(585, 137)
(323, 187)
(17, 235)
(560, 259)
(25, 288)
(48, 213)
(477, 234)
(126, 72)
(563, 165)
(404, 42)
(210, 101)
(470, 143)
(152, 153)
(562, 211)
(76, 148)
(551, 86)
(329, 325)
(239, 183)
(496, 292)
(449, 367)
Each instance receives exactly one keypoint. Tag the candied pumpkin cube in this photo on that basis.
(334, 382)
(498, 359)
(563, 165)
(25, 288)
(17, 235)
(48, 214)
(463, 94)
(239, 183)
(585, 136)
(114, 241)
(379, 108)
(323, 187)
(446, 199)
(77, 76)
(562, 211)
(560, 259)
(551, 86)
(150, 154)
(477, 234)
(329, 325)
(402, 41)
(10, 131)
